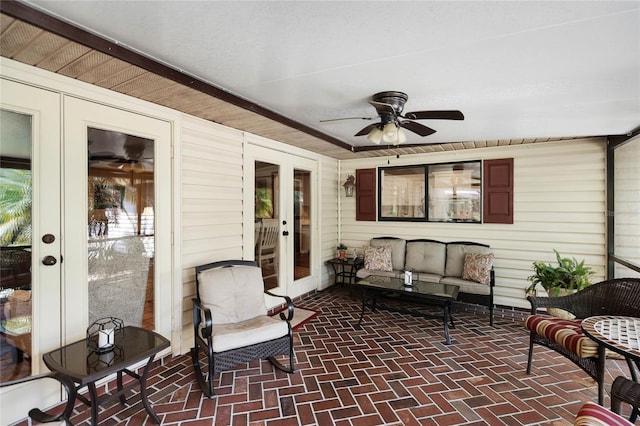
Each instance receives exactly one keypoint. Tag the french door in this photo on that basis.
(85, 229)
(30, 243)
(117, 218)
(283, 189)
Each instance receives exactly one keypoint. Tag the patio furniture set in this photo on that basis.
(232, 326)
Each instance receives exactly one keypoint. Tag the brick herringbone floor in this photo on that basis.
(396, 370)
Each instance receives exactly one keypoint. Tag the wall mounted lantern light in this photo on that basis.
(349, 185)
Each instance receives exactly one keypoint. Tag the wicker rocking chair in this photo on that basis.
(231, 325)
(619, 296)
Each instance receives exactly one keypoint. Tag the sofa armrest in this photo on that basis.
(289, 308)
(202, 314)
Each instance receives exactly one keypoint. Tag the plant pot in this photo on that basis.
(557, 312)
(342, 254)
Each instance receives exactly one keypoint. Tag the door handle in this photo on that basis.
(49, 261)
(285, 233)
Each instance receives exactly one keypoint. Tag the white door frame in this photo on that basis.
(44, 108)
(80, 114)
(287, 162)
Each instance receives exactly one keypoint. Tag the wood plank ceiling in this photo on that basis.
(42, 48)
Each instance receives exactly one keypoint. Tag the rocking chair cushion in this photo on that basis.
(567, 333)
(233, 294)
(255, 330)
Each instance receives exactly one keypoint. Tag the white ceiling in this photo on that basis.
(515, 69)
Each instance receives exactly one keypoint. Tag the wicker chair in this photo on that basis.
(38, 415)
(231, 325)
(613, 297)
(622, 390)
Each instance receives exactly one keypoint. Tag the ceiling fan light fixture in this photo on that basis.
(390, 133)
(375, 135)
(402, 136)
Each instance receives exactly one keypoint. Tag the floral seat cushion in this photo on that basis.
(564, 332)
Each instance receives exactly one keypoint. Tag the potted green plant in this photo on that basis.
(567, 276)
(342, 251)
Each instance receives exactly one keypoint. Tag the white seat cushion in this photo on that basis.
(255, 330)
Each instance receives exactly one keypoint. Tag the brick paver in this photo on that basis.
(395, 370)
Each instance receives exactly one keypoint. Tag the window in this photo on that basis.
(452, 191)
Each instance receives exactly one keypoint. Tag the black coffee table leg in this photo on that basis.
(364, 302)
(447, 318)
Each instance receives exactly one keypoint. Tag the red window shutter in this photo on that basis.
(366, 194)
(498, 191)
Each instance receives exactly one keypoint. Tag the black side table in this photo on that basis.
(77, 362)
(344, 270)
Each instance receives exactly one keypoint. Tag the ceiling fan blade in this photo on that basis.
(347, 118)
(417, 128)
(383, 107)
(435, 115)
(366, 130)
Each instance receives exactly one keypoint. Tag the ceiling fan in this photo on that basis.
(389, 106)
(133, 149)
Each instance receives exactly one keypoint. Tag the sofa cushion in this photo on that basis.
(233, 294)
(426, 256)
(477, 267)
(378, 258)
(397, 250)
(467, 286)
(567, 333)
(455, 257)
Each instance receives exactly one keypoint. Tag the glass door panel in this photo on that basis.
(267, 221)
(15, 245)
(120, 227)
(302, 223)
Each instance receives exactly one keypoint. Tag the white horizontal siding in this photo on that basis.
(211, 207)
(559, 203)
(328, 230)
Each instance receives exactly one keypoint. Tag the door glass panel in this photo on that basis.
(302, 223)
(267, 227)
(120, 227)
(15, 245)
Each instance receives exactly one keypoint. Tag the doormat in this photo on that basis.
(300, 316)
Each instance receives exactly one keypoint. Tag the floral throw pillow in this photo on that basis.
(378, 258)
(477, 267)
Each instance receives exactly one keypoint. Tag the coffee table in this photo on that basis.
(375, 287)
(84, 366)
